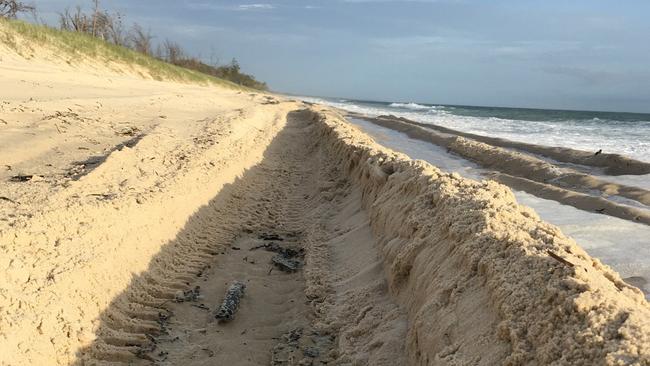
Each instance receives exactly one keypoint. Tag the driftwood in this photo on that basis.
(560, 259)
(3, 198)
(230, 304)
(21, 178)
(285, 263)
(276, 248)
(286, 259)
(201, 306)
(271, 237)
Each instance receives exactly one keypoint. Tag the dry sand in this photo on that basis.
(131, 205)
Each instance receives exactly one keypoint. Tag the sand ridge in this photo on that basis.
(463, 253)
(614, 164)
(532, 174)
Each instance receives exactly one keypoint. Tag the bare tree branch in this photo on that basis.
(141, 40)
(11, 8)
(95, 14)
(172, 52)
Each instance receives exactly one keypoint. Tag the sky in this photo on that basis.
(578, 54)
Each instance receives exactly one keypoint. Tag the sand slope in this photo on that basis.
(118, 165)
(483, 278)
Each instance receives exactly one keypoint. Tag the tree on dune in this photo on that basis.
(11, 8)
(100, 24)
(109, 27)
(171, 52)
(142, 40)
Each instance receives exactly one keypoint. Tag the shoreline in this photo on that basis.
(528, 173)
(617, 242)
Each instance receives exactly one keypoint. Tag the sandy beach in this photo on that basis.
(130, 206)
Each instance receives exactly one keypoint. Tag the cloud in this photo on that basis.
(401, 1)
(207, 5)
(195, 30)
(587, 76)
(408, 41)
(425, 43)
(255, 6)
(535, 50)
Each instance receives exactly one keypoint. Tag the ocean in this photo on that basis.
(623, 133)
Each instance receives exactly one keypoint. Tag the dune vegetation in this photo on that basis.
(77, 47)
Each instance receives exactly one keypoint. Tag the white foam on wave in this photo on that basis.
(588, 135)
(347, 106)
(413, 106)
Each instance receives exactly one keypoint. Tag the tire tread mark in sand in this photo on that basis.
(127, 327)
(295, 192)
(266, 199)
(270, 201)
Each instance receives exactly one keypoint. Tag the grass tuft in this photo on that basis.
(74, 47)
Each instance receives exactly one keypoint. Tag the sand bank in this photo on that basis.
(613, 164)
(463, 255)
(531, 174)
(619, 243)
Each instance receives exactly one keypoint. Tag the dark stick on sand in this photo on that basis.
(560, 259)
(230, 304)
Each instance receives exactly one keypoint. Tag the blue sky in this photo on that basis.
(578, 54)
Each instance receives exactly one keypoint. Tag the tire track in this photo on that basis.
(332, 312)
(270, 199)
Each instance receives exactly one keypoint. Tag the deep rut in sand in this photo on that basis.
(271, 202)
(333, 310)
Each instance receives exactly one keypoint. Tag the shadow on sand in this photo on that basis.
(127, 328)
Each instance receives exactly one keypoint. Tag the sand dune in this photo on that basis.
(131, 205)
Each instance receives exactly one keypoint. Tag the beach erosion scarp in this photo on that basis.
(475, 269)
(531, 168)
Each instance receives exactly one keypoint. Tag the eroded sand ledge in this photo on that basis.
(531, 174)
(613, 164)
(483, 278)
